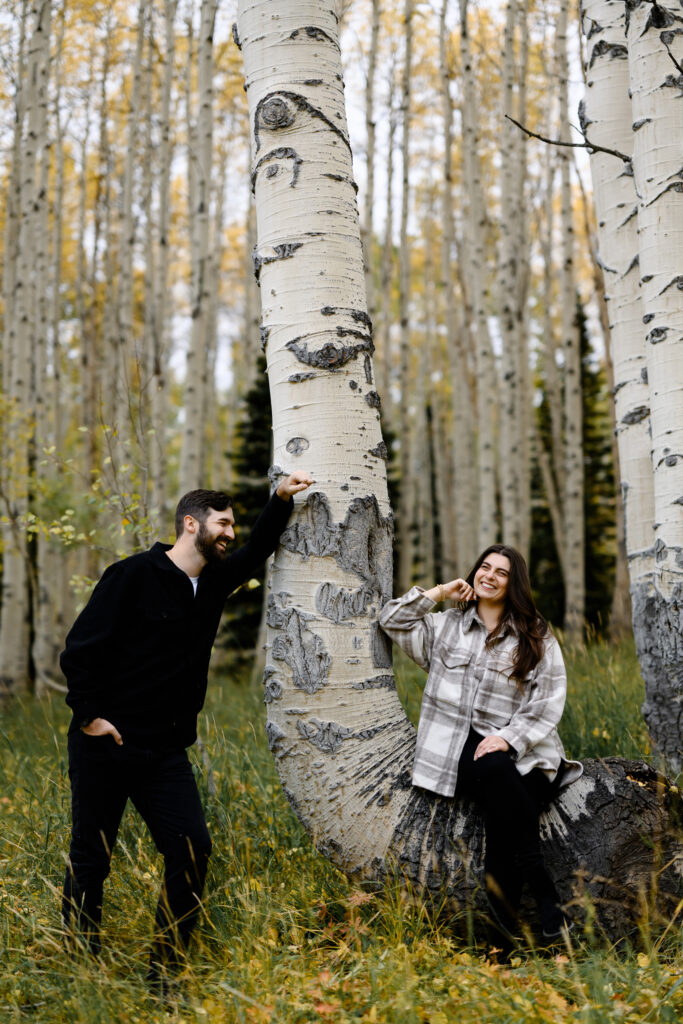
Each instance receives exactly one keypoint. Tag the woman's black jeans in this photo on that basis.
(511, 804)
(162, 787)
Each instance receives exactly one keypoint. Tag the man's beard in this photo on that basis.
(209, 547)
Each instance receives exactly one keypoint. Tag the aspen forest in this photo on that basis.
(431, 252)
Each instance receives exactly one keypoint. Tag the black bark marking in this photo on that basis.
(313, 81)
(367, 366)
(277, 740)
(285, 100)
(678, 501)
(643, 374)
(298, 646)
(353, 385)
(373, 400)
(297, 378)
(362, 544)
(380, 647)
(657, 335)
(637, 125)
(317, 34)
(272, 688)
(615, 51)
(380, 451)
(338, 603)
(235, 36)
(275, 475)
(280, 252)
(636, 415)
(648, 317)
(376, 683)
(281, 153)
(676, 282)
(265, 334)
(359, 315)
(331, 356)
(673, 186)
(297, 445)
(326, 736)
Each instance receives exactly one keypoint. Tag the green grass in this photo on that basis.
(285, 937)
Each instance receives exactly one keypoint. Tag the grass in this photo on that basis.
(285, 937)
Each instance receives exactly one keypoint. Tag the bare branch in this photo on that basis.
(592, 147)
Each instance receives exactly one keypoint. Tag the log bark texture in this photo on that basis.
(340, 738)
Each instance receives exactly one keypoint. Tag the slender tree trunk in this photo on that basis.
(368, 234)
(341, 741)
(406, 503)
(464, 488)
(385, 348)
(573, 495)
(475, 228)
(195, 367)
(655, 57)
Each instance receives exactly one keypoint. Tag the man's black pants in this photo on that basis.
(511, 804)
(162, 787)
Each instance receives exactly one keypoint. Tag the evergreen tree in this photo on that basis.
(251, 460)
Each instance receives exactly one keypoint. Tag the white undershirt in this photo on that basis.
(194, 580)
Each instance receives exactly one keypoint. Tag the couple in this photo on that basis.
(136, 662)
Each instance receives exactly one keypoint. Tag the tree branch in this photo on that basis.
(591, 146)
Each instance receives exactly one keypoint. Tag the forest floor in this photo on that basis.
(285, 937)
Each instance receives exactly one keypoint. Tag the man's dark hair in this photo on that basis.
(199, 504)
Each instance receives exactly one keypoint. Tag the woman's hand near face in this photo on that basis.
(456, 590)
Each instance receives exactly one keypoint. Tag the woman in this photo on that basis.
(494, 695)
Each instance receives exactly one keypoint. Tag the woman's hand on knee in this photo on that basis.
(491, 744)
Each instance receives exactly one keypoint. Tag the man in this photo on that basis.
(136, 663)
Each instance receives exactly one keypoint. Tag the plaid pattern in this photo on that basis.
(470, 686)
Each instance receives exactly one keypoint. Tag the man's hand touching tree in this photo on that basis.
(292, 484)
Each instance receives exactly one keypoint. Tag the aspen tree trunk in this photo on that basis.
(509, 315)
(475, 231)
(125, 418)
(385, 348)
(340, 738)
(15, 617)
(406, 502)
(573, 494)
(655, 58)
(195, 367)
(43, 590)
(370, 136)
(158, 355)
(463, 516)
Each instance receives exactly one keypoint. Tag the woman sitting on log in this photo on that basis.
(493, 698)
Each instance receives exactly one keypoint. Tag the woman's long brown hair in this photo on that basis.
(520, 611)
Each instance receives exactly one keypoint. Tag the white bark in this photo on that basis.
(655, 51)
(406, 509)
(575, 589)
(202, 275)
(475, 231)
(463, 522)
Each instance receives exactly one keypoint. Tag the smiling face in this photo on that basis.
(491, 578)
(214, 535)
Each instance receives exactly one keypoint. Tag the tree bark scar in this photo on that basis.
(297, 378)
(676, 282)
(338, 604)
(380, 451)
(378, 682)
(330, 356)
(235, 36)
(317, 34)
(373, 400)
(615, 51)
(636, 415)
(281, 153)
(277, 741)
(359, 315)
(361, 544)
(280, 252)
(657, 335)
(272, 687)
(326, 736)
(285, 99)
(297, 445)
(298, 646)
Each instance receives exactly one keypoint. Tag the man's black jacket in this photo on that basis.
(138, 654)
